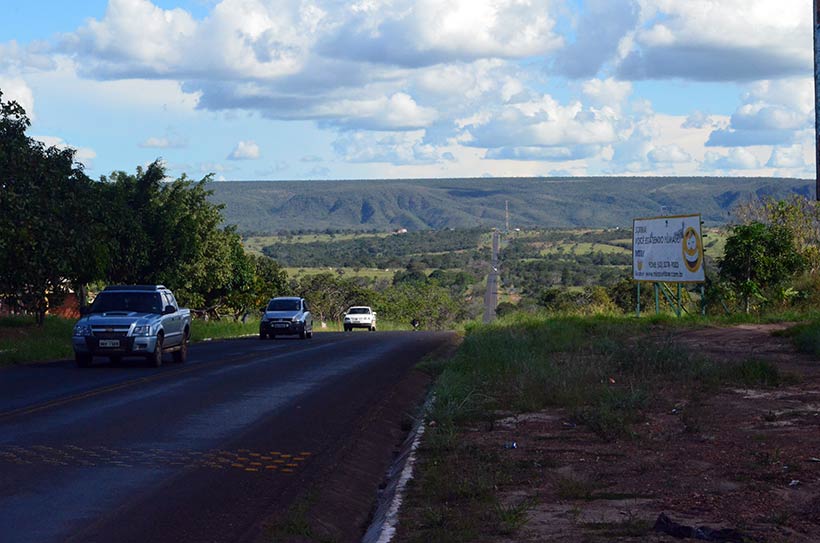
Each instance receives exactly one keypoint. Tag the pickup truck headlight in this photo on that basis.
(295, 319)
(82, 330)
(142, 330)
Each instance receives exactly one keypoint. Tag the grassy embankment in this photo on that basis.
(22, 341)
(602, 372)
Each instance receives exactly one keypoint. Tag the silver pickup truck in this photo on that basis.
(132, 320)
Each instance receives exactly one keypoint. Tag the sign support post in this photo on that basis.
(680, 303)
(657, 299)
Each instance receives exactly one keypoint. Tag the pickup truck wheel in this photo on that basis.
(83, 360)
(181, 355)
(372, 328)
(156, 357)
(263, 335)
(310, 334)
(302, 334)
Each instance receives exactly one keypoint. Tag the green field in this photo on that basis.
(370, 273)
(583, 248)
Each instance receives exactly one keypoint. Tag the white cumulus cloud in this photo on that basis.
(17, 90)
(245, 150)
(669, 154)
(736, 159)
(787, 157)
(720, 40)
(84, 155)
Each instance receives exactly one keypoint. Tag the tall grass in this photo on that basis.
(604, 369)
(212, 329)
(381, 325)
(21, 340)
(806, 337)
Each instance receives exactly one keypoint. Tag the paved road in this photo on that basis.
(491, 295)
(200, 452)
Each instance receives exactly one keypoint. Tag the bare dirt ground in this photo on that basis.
(740, 459)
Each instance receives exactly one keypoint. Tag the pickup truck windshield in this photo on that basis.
(284, 305)
(139, 302)
(359, 311)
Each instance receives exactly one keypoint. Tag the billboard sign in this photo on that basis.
(667, 249)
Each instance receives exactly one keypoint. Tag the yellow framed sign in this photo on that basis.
(667, 249)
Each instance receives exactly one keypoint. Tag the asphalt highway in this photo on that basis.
(202, 452)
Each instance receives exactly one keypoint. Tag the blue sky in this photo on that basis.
(260, 89)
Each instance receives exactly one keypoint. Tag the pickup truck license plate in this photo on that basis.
(281, 325)
(109, 343)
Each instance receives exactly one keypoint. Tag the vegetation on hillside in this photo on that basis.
(430, 249)
(383, 205)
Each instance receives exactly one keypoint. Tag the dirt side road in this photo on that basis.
(743, 460)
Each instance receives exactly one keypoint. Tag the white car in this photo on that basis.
(360, 316)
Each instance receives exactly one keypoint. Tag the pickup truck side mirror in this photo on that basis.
(169, 309)
(374, 313)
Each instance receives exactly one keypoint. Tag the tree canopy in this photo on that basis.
(48, 229)
(59, 230)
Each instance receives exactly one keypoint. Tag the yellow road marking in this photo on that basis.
(72, 455)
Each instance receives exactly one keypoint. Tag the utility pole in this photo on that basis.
(816, 102)
(507, 216)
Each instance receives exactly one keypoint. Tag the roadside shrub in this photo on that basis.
(588, 301)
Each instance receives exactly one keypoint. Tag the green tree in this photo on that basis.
(431, 304)
(799, 215)
(171, 233)
(48, 233)
(268, 280)
(330, 295)
(757, 259)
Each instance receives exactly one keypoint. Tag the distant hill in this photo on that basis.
(272, 206)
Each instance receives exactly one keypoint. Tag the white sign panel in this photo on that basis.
(667, 249)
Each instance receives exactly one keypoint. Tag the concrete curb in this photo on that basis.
(386, 517)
